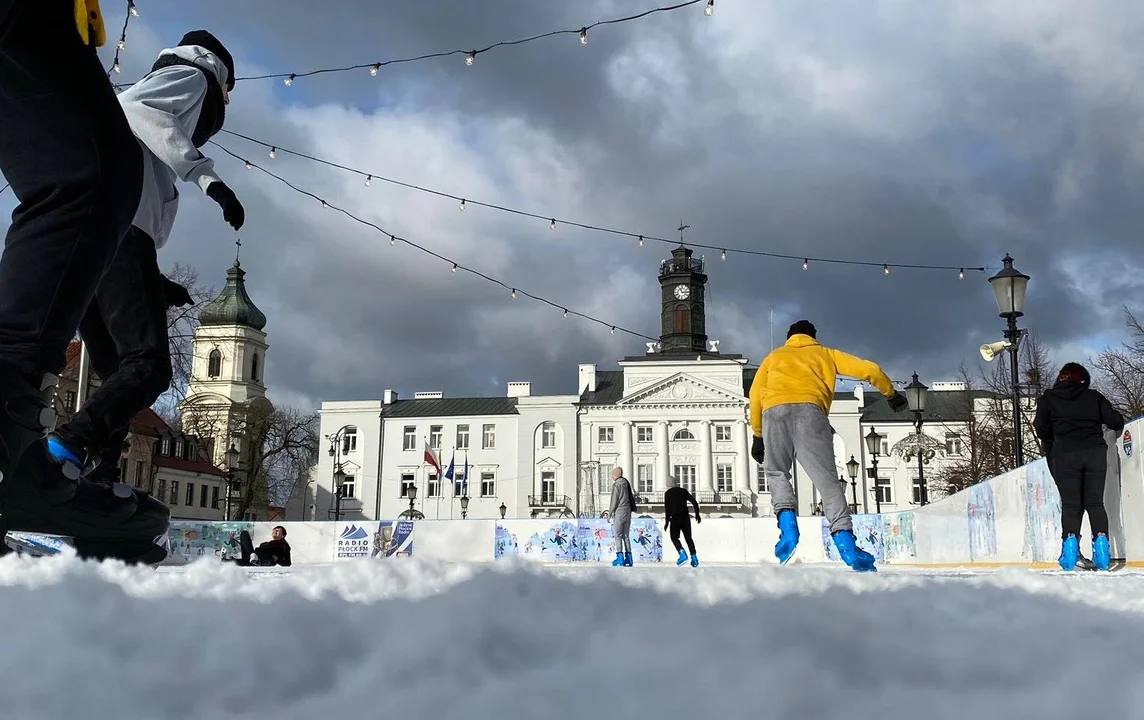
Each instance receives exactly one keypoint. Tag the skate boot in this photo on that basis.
(1101, 552)
(1070, 552)
(619, 560)
(788, 535)
(627, 559)
(38, 496)
(858, 559)
(682, 557)
(694, 561)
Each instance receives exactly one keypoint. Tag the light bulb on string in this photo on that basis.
(290, 80)
(710, 7)
(722, 254)
(565, 312)
(115, 67)
(805, 264)
(368, 180)
(584, 36)
(132, 9)
(454, 267)
(961, 274)
(248, 165)
(273, 152)
(613, 329)
(470, 57)
(392, 240)
(373, 70)
(462, 204)
(885, 269)
(552, 224)
(122, 44)
(324, 204)
(514, 293)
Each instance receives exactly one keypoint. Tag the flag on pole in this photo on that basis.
(431, 458)
(465, 477)
(449, 472)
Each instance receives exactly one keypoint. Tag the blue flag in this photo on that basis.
(449, 472)
(465, 477)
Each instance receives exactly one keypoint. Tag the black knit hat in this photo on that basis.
(802, 327)
(202, 38)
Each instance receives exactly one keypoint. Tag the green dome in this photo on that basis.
(233, 306)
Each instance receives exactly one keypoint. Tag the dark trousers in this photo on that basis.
(125, 329)
(75, 167)
(1080, 476)
(679, 525)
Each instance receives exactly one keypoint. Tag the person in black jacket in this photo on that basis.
(677, 518)
(275, 551)
(1070, 423)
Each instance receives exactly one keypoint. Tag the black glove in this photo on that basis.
(666, 523)
(232, 210)
(175, 294)
(898, 402)
(757, 449)
(698, 519)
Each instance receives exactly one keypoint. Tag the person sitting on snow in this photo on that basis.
(275, 551)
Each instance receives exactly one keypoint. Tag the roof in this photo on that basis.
(941, 406)
(233, 305)
(198, 465)
(148, 422)
(610, 387)
(451, 407)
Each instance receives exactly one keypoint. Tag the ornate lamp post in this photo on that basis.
(503, 510)
(916, 396)
(1009, 288)
(337, 440)
(339, 491)
(873, 446)
(852, 471)
(464, 506)
(232, 458)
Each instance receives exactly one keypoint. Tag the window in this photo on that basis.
(488, 485)
(952, 444)
(548, 439)
(435, 433)
(462, 437)
(254, 367)
(434, 487)
(139, 473)
(459, 485)
(165, 446)
(917, 491)
(645, 478)
(883, 490)
(723, 479)
(409, 438)
(682, 319)
(179, 449)
(606, 435)
(348, 487)
(606, 478)
(682, 435)
(885, 448)
(761, 482)
(204, 493)
(214, 364)
(174, 492)
(722, 433)
(122, 469)
(407, 482)
(349, 440)
(190, 501)
(214, 498)
(686, 475)
(489, 436)
(548, 486)
(69, 400)
(643, 434)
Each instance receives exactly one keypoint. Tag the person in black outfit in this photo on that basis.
(77, 171)
(677, 518)
(275, 551)
(1070, 423)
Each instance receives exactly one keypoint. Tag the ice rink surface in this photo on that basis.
(415, 639)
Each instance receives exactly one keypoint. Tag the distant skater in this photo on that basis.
(677, 518)
(1070, 423)
(623, 504)
(275, 551)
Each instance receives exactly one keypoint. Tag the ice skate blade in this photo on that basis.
(39, 544)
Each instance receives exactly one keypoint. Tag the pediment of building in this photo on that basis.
(678, 389)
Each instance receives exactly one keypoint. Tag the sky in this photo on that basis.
(945, 133)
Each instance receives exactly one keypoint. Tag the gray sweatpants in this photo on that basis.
(621, 529)
(802, 431)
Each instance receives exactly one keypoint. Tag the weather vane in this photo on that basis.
(681, 228)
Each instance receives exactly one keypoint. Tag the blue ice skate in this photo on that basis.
(788, 536)
(682, 557)
(1070, 553)
(71, 460)
(1101, 553)
(858, 559)
(627, 559)
(694, 561)
(619, 560)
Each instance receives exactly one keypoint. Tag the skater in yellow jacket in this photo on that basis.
(790, 404)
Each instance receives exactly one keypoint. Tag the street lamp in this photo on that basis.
(337, 448)
(232, 458)
(916, 396)
(873, 446)
(1009, 288)
(464, 506)
(852, 471)
(503, 510)
(412, 496)
(339, 491)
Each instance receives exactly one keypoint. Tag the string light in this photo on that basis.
(710, 7)
(640, 237)
(961, 274)
(470, 57)
(454, 267)
(373, 70)
(722, 254)
(131, 9)
(115, 67)
(288, 81)
(393, 239)
(886, 269)
(273, 152)
(368, 180)
(584, 36)
(122, 43)
(248, 165)
(613, 329)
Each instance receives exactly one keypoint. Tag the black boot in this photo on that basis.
(105, 521)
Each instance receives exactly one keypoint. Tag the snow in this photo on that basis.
(416, 639)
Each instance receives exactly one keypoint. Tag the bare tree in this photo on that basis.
(1119, 373)
(181, 324)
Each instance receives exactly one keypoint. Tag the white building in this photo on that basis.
(681, 409)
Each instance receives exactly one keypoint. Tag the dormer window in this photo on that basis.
(179, 449)
(165, 446)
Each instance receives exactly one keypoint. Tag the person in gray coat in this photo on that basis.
(173, 111)
(623, 505)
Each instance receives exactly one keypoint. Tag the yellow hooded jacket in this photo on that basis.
(802, 371)
(89, 22)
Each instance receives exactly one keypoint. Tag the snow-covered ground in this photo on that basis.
(414, 639)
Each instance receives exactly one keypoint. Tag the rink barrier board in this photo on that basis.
(1012, 520)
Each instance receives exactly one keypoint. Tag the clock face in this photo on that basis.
(682, 292)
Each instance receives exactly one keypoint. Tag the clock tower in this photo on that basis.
(682, 281)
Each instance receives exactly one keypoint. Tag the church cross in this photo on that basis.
(238, 248)
(681, 228)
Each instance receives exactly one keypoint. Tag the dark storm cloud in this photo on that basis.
(868, 131)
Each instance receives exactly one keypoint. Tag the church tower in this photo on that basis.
(682, 283)
(228, 370)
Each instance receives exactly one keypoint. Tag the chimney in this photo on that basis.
(587, 378)
(519, 389)
(858, 390)
(389, 397)
(436, 395)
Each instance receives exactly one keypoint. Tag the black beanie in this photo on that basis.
(802, 327)
(202, 38)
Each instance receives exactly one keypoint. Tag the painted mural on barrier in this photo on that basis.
(898, 536)
(982, 522)
(1042, 514)
(192, 540)
(393, 538)
(584, 540)
(868, 531)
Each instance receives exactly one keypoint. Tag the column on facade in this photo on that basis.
(743, 479)
(662, 458)
(626, 452)
(706, 476)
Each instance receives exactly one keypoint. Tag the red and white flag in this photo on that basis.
(431, 458)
